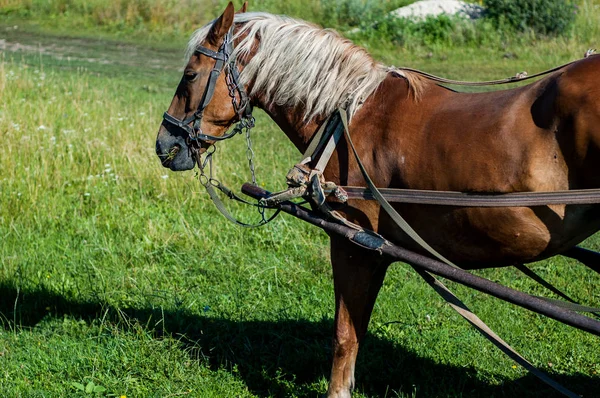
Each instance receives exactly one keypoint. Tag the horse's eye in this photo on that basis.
(190, 76)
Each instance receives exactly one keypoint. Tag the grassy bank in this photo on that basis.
(119, 278)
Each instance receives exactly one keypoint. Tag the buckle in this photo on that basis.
(298, 175)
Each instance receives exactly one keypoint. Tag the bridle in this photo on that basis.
(243, 108)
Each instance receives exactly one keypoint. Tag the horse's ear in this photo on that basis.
(244, 8)
(221, 26)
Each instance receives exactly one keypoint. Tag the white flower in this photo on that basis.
(42, 127)
(164, 177)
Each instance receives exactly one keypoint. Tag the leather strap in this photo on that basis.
(210, 53)
(210, 184)
(332, 142)
(322, 137)
(520, 77)
(396, 217)
(453, 198)
(488, 333)
(570, 304)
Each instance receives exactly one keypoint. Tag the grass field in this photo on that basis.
(119, 278)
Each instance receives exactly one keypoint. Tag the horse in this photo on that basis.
(410, 132)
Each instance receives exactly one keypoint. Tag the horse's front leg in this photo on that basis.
(357, 276)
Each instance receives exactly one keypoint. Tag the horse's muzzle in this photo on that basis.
(173, 151)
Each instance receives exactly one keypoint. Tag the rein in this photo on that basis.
(519, 77)
(210, 183)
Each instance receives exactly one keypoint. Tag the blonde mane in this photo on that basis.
(297, 63)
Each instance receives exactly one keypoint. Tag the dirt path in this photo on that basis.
(28, 45)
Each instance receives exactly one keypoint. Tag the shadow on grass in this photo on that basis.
(278, 358)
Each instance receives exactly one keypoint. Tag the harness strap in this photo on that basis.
(210, 88)
(570, 304)
(520, 77)
(395, 216)
(223, 210)
(453, 198)
(321, 137)
(587, 257)
(488, 333)
(316, 141)
(329, 147)
(210, 53)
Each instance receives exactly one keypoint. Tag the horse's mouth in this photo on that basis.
(168, 157)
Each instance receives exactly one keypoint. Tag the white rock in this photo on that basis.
(421, 9)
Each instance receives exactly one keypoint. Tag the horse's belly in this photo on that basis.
(492, 237)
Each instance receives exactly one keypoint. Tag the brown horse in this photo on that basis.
(410, 133)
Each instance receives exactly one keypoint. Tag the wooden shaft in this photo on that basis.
(436, 267)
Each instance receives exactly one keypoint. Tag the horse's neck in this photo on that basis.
(291, 123)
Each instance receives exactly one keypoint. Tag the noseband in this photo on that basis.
(243, 108)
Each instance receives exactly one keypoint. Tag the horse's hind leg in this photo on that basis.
(357, 275)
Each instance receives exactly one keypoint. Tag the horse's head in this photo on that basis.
(208, 100)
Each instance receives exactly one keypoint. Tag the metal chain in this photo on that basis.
(232, 86)
(208, 180)
(247, 124)
(250, 152)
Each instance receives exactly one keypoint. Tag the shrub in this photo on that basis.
(350, 12)
(548, 17)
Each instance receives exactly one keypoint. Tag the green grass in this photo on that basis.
(120, 275)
